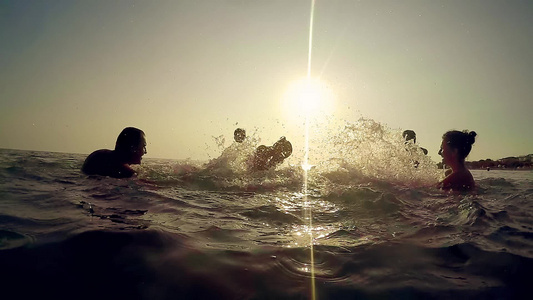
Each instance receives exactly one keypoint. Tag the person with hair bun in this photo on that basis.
(455, 147)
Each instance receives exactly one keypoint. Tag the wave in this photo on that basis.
(152, 264)
(11, 239)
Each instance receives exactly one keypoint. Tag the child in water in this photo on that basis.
(455, 147)
(409, 135)
(269, 157)
(266, 157)
(129, 149)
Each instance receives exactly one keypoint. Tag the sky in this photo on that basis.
(74, 73)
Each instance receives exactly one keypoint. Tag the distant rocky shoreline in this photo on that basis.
(512, 163)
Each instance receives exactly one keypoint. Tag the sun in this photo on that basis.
(308, 97)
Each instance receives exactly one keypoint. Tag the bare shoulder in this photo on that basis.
(96, 159)
(459, 181)
(98, 154)
(104, 162)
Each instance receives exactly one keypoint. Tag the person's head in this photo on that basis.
(456, 145)
(409, 135)
(131, 145)
(239, 135)
(282, 148)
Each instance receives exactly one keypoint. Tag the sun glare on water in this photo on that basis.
(307, 100)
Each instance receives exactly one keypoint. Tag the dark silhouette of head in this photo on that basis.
(268, 157)
(131, 145)
(409, 135)
(460, 140)
(239, 135)
(282, 148)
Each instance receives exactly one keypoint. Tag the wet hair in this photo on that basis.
(239, 134)
(409, 135)
(283, 148)
(129, 139)
(460, 140)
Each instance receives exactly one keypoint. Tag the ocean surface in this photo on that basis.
(353, 227)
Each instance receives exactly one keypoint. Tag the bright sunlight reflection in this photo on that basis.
(306, 166)
(308, 97)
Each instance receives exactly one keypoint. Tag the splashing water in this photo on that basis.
(361, 153)
(367, 149)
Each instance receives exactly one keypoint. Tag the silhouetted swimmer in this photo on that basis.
(455, 147)
(239, 135)
(411, 135)
(129, 149)
(266, 157)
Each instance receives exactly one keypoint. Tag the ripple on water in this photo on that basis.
(11, 239)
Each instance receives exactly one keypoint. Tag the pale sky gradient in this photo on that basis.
(73, 74)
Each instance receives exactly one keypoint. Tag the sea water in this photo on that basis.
(378, 227)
